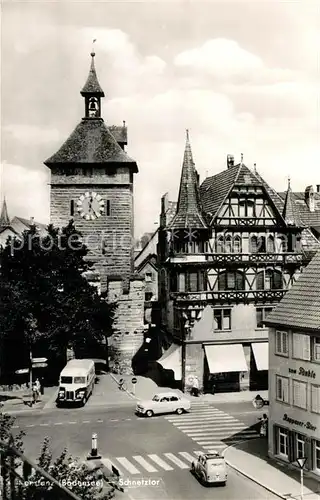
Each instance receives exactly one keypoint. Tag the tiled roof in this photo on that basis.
(91, 142)
(4, 217)
(119, 133)
(309, 240)
(309, 219)
(300, 307)
(92, 85)
(273, 195)
(189, 212)
(214, 190)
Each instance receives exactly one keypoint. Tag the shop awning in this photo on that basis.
(261, 355)
(226, 358)
(171, 360)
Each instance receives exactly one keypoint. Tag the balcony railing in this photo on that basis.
(224, 296)
(207, 259)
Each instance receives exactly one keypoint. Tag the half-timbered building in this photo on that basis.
(230, 253)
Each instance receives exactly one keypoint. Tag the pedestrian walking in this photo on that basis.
(34, 393)
(264, 425)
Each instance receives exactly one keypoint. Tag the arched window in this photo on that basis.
(237, 244)
(261, 244)
(277, 280)
(228, 244)
(220, 245)
(270, 244)
(260, 280)
(253, 244)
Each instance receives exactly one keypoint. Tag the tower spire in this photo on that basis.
(290, 213)
(4, 217)
(92, 91)
(189, 213)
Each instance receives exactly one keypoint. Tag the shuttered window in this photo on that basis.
(299, 394)
(282, 343)
(301, 346)
(282, 389)
(315, 398)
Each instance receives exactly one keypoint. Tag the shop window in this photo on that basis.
(301, 346)
(282, 343)
(261, 315)
(283, 448)
(299, 394)
(315, 345)
(317, 456)
(315, 398)
(222, 319)
(282, 389)
(300, 446)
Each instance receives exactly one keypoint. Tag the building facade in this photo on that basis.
(92, 183)
(294, 373)
(228, 256)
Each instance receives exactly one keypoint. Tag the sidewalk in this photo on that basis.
(145, 388)
(250, 458)
(18, 401)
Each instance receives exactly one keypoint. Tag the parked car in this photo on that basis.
(165, 402)
(210, 468)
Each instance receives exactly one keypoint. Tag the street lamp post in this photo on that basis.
(301, 462)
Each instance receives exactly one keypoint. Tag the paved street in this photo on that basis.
(159, 449)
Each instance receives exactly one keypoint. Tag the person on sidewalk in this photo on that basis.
(264, 425)
(195, 387)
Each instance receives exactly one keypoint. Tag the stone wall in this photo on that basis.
(109, 237)
(129, 322)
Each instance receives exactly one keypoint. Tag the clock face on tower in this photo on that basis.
(90, 206)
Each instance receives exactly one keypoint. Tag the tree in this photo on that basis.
(45, 301)
(68, 471)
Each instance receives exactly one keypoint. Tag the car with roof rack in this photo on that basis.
(210, 468)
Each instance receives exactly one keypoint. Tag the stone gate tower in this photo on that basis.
(92, 183)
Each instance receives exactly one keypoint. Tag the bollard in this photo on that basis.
(94, 448)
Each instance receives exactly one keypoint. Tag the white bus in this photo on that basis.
(76, 382)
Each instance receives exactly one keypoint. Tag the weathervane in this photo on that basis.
(93, 42)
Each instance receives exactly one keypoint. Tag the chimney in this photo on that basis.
(318, 188)
(164, 208)
(230, 161)
(31, 221)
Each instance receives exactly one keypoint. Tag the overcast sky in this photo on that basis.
(243, 76)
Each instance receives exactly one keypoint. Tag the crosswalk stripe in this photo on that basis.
(208, 441)
(108, 464)
(194, 419)
(213, 427)
(176, 461)
(197, 453)
(219, 434)
(186, 456)
(127, 465)
(144, 463)
(210, 448)
(160, 462)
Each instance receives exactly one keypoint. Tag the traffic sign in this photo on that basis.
(258, 402)
(39, 360)
(302, 461)
(22, 371)
(134, 380)
(39, 365)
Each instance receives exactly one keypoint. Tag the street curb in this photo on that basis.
(126, 390)
(251, 478)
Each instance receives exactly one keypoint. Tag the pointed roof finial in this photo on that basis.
(4, 217)
(92, 85)
(289, 182)
(255, 167)
(187, 134)
(241, 161)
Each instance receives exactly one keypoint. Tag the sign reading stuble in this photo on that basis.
(304, 373)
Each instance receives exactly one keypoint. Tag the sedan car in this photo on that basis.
(166, 402)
